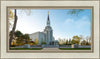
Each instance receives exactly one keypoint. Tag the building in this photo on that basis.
(45, 36)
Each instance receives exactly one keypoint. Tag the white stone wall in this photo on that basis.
(33, 36)
(87, 46)
(38, 35)
(42, 37)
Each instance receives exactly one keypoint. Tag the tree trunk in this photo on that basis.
(13, 29)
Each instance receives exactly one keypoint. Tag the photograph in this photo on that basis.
(49, 29)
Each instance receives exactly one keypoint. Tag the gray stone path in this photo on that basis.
(50, 49)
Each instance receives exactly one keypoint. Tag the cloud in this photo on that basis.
(69, 20)
(78, 23)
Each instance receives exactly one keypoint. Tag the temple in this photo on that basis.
(45, 36)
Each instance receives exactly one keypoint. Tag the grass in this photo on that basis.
(42, 48)
(75, 48)
(25, 48)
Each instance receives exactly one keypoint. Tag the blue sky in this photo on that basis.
(63, 24)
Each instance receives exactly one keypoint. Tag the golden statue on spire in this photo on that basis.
(48, 12)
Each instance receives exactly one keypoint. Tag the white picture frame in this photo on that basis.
(77, 55)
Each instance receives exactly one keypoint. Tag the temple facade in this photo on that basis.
(45, 36)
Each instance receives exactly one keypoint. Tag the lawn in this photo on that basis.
(75, 48)
(42, 48)
(25, 48)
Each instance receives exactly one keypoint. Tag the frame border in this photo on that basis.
(49, 58)
(50, 0)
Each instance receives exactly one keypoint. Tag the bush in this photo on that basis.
(12, 45)
(43, 43)
(68, 44)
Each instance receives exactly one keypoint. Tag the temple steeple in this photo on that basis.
(48, 20)
(48, 31)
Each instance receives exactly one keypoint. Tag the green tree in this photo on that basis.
(66, 42)
(73, 41)
(17, 33)
(75, 11)
(83, 42)
(77, 39)
(11, 16)
(20, 40)
(19, 37)
(27, 38)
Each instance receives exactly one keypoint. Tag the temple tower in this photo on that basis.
(49, 32)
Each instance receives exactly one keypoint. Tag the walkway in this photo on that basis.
(50, 49)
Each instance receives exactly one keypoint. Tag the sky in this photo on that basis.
(63, 24)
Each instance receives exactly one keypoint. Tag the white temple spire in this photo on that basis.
(48, 21)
